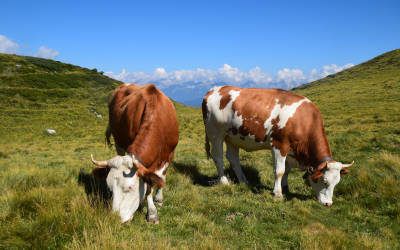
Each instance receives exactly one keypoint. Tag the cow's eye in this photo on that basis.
(131, 173)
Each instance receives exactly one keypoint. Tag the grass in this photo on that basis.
(44, 201)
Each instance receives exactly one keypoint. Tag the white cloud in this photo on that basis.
(285, 78)
(328, 70)
(47, 53)
(7, 45)
(291, 77)
(225, 74)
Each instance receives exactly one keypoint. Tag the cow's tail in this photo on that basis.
(205, 116)
(207, 147)
(108, 135)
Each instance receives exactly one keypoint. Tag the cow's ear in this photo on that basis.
(318, 171)
(153, 180)
(100, 173)
(344, 171)
(316, 176)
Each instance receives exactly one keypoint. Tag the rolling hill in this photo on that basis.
(48, 201)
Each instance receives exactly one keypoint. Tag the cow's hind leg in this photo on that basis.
(232, 154)
(158, 198)
(279, 171)
(217, 153)
(152, 215)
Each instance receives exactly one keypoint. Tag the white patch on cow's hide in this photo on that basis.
(284, 112)
(237, 120)
(128, 192)
(224, 115)
(160, 171)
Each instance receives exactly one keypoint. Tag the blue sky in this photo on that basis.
(141, 36)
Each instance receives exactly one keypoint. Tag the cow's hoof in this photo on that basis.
(224, 181)
(152, 219)
(278, 196)
(158, 203)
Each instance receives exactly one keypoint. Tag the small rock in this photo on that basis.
(99, 116)
(50, 131)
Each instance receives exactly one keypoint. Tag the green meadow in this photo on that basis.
(49, 199)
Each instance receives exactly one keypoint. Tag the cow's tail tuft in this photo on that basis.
(108, 135)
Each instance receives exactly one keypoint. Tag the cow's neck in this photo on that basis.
(319, 150)
(144, 148)
(315, 151)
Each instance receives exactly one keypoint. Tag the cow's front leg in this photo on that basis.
(279, 170)
(158, 198)
(289, 164)
(152, 215)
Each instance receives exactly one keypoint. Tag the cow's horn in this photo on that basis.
(347, 165)
(99, 164)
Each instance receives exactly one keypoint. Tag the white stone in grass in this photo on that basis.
(50, 131)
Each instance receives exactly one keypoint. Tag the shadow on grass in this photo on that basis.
(193, 173)
(95, 186)
(290, 196)
(198, 178)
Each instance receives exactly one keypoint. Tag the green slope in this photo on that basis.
(43, 204)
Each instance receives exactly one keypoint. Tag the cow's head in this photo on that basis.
(126, 183)
(324, 178)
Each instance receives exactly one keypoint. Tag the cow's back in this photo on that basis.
(143, 122)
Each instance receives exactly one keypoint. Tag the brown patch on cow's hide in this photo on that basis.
(224, 101)
(226, 97)
(318, 171)
(307, 135)
(153, 180)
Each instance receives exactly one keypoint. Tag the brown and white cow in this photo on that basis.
(289, 124)
(144, 125)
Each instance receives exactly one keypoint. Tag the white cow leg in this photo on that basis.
(232, 154)
(158, 198)
(152, 215)
(279, 170)
(217, 152)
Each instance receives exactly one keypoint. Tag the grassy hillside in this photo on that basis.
(44, 201)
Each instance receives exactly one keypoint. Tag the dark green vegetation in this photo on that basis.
(43, 204)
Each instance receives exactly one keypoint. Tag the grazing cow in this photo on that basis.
(144, 125)
(289, 124)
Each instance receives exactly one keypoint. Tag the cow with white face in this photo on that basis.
(144, 125)
(288, 124)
